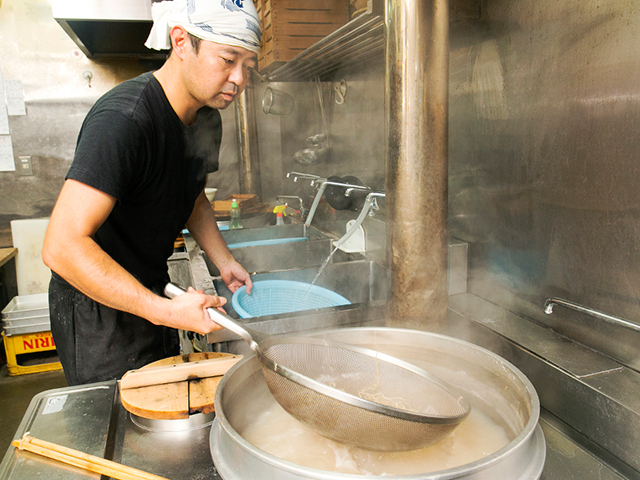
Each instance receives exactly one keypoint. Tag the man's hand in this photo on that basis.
(204, 229)
(235, 276)
(189, 311)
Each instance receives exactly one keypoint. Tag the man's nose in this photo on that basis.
(239, 75)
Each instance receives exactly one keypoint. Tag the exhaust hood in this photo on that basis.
(107, 28)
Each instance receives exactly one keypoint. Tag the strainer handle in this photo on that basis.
(171, 290)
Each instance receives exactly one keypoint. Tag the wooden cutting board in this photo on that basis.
(175, 399)
(244, 201)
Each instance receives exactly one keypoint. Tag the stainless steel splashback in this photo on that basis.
(543, 162)
(543, 140)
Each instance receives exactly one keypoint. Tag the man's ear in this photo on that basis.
(179, 40)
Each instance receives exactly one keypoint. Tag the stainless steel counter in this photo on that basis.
(92, 420)
(567, 460)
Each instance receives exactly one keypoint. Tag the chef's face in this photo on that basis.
(216, 74)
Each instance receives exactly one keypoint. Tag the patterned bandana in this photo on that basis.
(228, 22)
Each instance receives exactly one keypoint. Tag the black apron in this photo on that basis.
(97, 343)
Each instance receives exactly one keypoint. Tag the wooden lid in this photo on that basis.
(175, 387)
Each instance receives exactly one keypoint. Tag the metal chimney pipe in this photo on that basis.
(249, 164)
(416, 81)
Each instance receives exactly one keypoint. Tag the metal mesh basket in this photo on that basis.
(420, 411)
(270, 297)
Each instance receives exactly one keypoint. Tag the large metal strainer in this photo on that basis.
(351, 394)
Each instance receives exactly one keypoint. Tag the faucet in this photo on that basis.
(316, 201)
(323, 182)
(551, 302)
(279, 198)
(374, 203)
(370, 202)
(304, 176)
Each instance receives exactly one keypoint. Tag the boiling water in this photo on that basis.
(279, 434)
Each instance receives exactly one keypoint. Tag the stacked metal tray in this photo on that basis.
(26, 314)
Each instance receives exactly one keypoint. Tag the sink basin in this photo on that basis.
(277, 248)
(282, 232)
(359, 281)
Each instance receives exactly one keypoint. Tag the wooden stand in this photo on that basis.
(175, 387)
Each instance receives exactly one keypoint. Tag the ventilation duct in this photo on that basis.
(107, 28)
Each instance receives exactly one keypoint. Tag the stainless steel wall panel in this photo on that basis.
(570, 356)
(457, 270)
(355, 128)
(544, 138)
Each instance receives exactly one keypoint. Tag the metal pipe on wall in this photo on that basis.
(416, 91)
(249, 165)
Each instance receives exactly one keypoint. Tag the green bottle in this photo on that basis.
(236, 216)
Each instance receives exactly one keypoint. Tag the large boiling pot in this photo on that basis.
(487, 381)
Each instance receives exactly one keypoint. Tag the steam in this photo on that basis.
(203, 140)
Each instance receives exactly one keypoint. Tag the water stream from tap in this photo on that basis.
(321, 269)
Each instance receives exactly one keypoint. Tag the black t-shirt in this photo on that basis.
(133, 146)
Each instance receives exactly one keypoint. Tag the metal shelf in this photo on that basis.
(358, 41)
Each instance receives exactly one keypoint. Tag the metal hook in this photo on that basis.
(341, 91)
(88, 76)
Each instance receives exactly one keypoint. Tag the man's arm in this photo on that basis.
(70, 250)
(204, 229)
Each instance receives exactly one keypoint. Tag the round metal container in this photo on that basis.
(487, 381)
(193, 422)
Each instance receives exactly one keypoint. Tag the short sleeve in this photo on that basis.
(108, 153)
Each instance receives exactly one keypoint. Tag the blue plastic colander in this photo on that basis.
(269, 297)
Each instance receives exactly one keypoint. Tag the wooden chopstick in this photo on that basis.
(82, 460)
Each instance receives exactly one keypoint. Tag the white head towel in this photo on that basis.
(228, 22)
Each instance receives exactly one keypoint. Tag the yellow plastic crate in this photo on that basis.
(18, 345)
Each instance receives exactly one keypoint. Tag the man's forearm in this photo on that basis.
(93, 272)
(203, 227)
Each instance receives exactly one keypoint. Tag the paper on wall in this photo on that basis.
(7, 163)
(4, 120)
(14, 97)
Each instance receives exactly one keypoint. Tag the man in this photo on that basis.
(136, 180)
